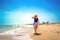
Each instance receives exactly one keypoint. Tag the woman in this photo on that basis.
(36, 23)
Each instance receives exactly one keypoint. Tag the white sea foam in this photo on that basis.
(19, 30)
(16, 31)
(23, 37)
(18, 34)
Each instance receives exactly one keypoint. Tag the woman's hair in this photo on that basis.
(35, 16)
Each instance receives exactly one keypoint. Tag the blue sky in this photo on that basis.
(20, 11)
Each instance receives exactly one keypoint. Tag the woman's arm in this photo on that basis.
(33, 17)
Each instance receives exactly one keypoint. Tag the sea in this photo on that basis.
(18, 32)
(4, 28)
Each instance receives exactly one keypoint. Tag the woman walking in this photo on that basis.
(36, 23)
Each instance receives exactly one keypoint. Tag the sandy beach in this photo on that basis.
(48, 32)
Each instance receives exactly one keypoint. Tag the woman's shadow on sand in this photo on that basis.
(37, 33)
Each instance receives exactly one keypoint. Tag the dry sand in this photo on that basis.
(48, 32)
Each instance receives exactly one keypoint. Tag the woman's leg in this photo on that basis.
(35, 28)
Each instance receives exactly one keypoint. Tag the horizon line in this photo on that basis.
(32, 24)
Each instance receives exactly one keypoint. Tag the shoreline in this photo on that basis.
(48, 32)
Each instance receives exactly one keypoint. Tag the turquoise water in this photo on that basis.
(7, 27)
(4, 28)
